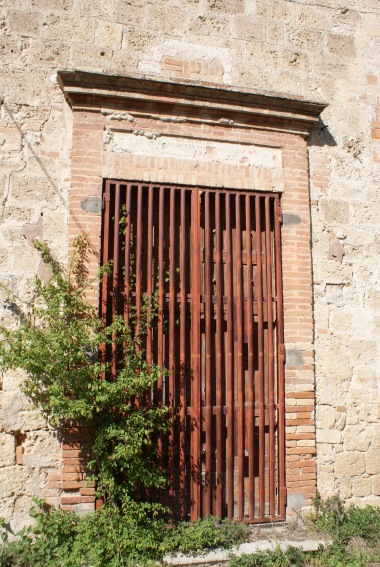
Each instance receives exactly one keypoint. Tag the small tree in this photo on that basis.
(56, 344)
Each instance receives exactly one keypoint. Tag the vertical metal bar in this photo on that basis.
(260, 361)
(182, 436)
(160, 326)
(251, 370)
(219, 362)
(208, 401)
(196, 417)
(239, 361)
(270, 357)
(138, 256)
(127, 263)
(115, 276)
(230, 364)
(160, 337)
(280, 362)
(171, 377)
(149, 272)
(105, 260)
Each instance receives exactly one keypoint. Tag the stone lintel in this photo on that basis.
(226, 105)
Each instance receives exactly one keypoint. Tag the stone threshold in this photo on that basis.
(222, 556)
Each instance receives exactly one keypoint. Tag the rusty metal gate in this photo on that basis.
(215, 258)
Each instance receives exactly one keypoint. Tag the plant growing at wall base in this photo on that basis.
(57, 341)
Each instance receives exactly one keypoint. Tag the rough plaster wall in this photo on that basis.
(323, 52)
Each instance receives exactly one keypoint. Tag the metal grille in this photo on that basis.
(215, 257)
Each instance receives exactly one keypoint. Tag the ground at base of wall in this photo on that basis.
(262, 538)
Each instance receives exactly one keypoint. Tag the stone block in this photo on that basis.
(334, 212)
(7, 450)
(93, 58)
(225, 6)
(361, 486)
(48, 53)
(40, 450)
(53, 5)
(345, 488)
(92, 204)
(248, 29)
(294, 357)
(296, 500)
(24, 22)
(306, 39)
(290, 219)
(331, 436)
(340, 321)
(24, 86)
(350, 464)
(108, 34)
(165, 21)
(372, 458)
(10, 49)
(10, 141)
(357, 437)
(129, 14)
(17, 481)
(25, 259)
(376, 484)
(362, 352)
(17, 414)
(33, 189)
(79, 30)
(343, 45)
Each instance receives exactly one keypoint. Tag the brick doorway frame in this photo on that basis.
(165, 131)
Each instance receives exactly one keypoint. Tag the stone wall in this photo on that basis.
(327, 52)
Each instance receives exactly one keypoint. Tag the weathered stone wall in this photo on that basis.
(328, 52)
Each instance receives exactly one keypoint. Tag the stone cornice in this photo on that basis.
(199, 101)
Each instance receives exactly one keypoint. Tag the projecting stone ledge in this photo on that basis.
(225, 105)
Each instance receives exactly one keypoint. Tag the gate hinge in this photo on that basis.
(279, 213)
(106, 199)
(284, 494)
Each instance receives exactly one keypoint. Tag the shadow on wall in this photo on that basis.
(321, 136)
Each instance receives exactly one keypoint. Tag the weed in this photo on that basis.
(207, 534)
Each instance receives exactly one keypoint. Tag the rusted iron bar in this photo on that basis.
(115, 276)
(230, 364)
(138, 275)
(149, 272)
(105, 260)
(280, 362)
(160, 326)
(208, 401)
(220, 440)
(127, 245)
(171, 377)
(239, 358)
(196, 417)
(183, 333)
(270, 357)
(259, 295)
(251, 370)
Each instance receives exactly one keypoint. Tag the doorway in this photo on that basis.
(213, 256)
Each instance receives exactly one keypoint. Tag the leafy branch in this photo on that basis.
(57, 343)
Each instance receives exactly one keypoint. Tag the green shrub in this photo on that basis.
(193, 537)
(57, 341)
(111, 537)
(276, 558)
(343, 523)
